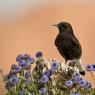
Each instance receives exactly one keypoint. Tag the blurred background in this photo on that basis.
(25, 27)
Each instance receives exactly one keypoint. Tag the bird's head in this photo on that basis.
(64, 27)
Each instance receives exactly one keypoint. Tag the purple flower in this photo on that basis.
(88, 85)
(54, 65)
(13, 67)
(26, 56)
(83, 83)
(46, 73)
(21, 92)
(15, 80)
(18, 69)
(21, 62)
(19, 57)
(44, 79)
(39, 54)
(93, 65)
(27, 65)
(27, 81)
(51, 72)
(76, 79)
(27, 74)
(75, 93)
(43, 90)
(69, 83)
(89, 67)
(79, 78)
(31, 60)
(11, 73)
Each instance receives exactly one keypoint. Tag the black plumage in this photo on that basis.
(66, 42)
(68, 45)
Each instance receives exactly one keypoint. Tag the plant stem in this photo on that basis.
(92, 76)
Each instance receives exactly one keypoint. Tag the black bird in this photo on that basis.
(68, 45)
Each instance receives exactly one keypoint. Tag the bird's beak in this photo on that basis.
(55, 25)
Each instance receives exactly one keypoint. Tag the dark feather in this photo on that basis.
(66, 43)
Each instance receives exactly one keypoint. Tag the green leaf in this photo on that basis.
(28, 93)
(8, 93)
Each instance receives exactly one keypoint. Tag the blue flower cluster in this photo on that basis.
(25, 61)
(20, 71)
(90, 67)
(79, 81)
(47, 73)
(11, 78)
(44, 80)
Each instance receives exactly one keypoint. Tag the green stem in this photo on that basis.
(92, 76)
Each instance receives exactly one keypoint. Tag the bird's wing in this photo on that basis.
(68, 46)
(75, 41)
(70, 42)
